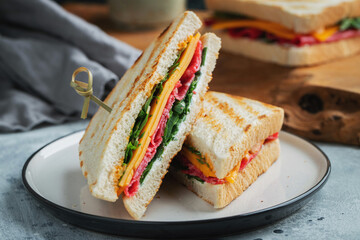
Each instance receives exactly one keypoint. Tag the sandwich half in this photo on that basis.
(128, 151)
(292, 33)
(232, 143)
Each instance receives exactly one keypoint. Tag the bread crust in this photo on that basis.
(291, 55)
(221, 195)
(304, 16)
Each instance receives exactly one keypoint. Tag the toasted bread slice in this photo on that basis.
(230, 127)
(222, 194)
(137, 204)
(305, 16)
(291, 55)
(102, 147)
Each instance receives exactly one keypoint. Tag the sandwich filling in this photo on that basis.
(195, 166)
(159, 119)
(239, 26)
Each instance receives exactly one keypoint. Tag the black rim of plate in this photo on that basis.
(179, 229)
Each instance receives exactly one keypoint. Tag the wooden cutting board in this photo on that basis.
(320, 102)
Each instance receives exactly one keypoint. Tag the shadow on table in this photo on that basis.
(28, 219)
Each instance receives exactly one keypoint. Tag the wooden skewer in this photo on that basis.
(86, 90)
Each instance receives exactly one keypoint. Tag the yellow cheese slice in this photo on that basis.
(323, 35)
(274, 28)
(205, 169)
(156, 109)
(193, 158)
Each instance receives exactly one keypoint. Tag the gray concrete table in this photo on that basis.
(334, 213)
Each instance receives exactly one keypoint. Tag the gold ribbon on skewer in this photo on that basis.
(86, 90)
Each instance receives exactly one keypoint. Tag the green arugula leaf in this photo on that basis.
(194, 177)
(179, 106)
(345, 24)
(203, 56)
(201, 159)
(356, 23)
(349, 23)
(192, 149)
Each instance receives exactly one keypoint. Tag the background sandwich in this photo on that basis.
(290, 33)
(233, 143)
(154, 106)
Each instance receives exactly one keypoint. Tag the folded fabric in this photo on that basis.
(41, 45)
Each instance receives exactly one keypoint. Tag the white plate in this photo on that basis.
(53, 176)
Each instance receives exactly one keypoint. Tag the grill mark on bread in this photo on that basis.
(164, 31)
(85, 174)
(216, 125)
(137, 60)
(247, 127)
(262, 116)
(251, 110)
(81, 163)
(225, 108)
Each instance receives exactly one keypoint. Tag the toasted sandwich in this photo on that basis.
(292, 33)
(128, 151)
(232, 143)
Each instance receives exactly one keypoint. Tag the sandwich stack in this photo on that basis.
(154, 106)
(292, 33)
(232, 143)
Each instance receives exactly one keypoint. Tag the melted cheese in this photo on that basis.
(274, 28)
(156, 109)
(324, 34)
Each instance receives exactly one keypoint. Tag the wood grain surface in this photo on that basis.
(321, 102)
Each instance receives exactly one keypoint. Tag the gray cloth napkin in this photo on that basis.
(41, 45)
